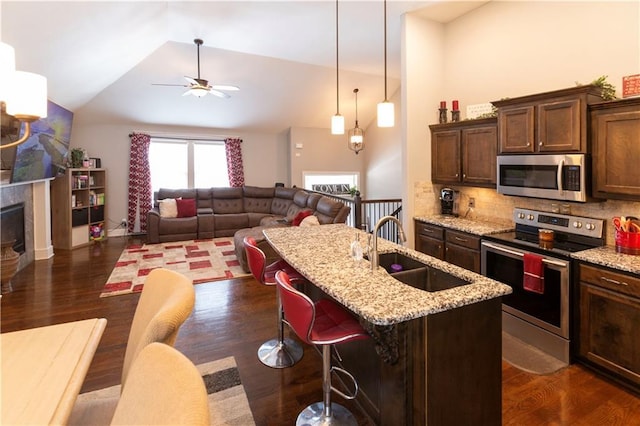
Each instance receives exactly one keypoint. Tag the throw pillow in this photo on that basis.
(300, 216)
(168, 207)
(186, 207)
(310, 221)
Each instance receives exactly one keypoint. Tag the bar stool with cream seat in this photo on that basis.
(323, 323)
(280, 352)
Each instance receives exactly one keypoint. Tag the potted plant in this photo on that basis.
(76, 157)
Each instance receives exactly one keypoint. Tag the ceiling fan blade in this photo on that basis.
(225, 87)
(191, 80)
(219, 93)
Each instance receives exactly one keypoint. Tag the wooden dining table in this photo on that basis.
(43, 370)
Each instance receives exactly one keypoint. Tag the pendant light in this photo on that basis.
(386, 114)
(356, 135)
(337, 121)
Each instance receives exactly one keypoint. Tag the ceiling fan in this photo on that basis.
(200, 87)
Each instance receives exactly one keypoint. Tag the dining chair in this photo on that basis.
(166, 301)
(163, 387)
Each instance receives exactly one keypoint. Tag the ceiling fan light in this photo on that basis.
(27, 99)
(337, 125)
(386, 114)
(198, 92)
(7, 68)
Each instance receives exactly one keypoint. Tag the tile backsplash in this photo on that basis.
(494, 207)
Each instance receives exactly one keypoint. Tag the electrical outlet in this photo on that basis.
(472, 202)
(123, 223)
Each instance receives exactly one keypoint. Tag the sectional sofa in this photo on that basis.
(237, 212)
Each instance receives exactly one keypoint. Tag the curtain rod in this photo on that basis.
(162, 135)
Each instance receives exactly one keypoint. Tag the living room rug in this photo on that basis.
(200, 260)
(228, 403)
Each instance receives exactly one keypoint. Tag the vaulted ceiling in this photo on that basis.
(102, 58)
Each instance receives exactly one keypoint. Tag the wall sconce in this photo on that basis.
(356, 135)
(23, 94)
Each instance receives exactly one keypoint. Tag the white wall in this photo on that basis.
(321, 152)
(422, 69)
(265, 156)
(510, 49)
(383, 157)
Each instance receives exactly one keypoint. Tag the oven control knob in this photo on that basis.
(530, 217)
(590, 226)
(520, 215)
(577, 224)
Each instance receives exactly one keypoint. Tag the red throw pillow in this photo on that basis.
(186, 207)
(300, 216)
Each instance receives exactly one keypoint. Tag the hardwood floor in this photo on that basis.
(232, 318)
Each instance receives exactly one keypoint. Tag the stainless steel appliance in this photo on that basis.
(555, 176)
(449, 201)
(541, 320)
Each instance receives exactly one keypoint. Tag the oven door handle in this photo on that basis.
(521, 254)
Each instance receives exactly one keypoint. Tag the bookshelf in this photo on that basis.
(78, 208)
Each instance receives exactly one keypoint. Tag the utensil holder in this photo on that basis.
(628, 242)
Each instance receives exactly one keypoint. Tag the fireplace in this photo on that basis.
(12, 226)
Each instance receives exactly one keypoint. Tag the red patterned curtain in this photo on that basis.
(139, 182)
(234, 161)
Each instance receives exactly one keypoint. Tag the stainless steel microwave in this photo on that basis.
(555, 176)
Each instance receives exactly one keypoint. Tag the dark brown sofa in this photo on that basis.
(238, 212)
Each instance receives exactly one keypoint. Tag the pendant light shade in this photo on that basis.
(356, 135)
(386, 113)
(337, 125)
(337, 121)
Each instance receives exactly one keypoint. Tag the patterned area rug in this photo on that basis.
(201, 260)
(228, 404)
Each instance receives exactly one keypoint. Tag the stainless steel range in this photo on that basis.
(541, 319)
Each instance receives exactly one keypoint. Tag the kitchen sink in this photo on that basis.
(418, 274)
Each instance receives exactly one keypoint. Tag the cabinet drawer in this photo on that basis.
(432, 231)
(621, 283)
(463, 239)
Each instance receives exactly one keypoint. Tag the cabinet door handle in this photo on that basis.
(540, 143)
(427, 230)
(464, 240)
(464, 175)
(457, 174)
(616, 282)
(528, 144)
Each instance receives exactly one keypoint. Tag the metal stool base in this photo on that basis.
(314, 415)
(276, 354)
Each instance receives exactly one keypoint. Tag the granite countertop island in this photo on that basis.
(434, 357)
(321, 254)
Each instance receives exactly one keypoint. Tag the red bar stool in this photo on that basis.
(280, 352)
(322, 323)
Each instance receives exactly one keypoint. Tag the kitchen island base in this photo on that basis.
(442, 369)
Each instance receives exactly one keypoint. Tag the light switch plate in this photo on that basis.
(298, 146)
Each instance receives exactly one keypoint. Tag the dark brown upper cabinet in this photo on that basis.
(464, 153)
(548, 122)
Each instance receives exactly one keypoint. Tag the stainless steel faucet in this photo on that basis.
(374, 243)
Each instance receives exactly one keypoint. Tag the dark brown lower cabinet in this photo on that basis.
(609, 319)
(456, 247)
(439, 370)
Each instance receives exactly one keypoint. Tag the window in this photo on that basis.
(181, 163)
